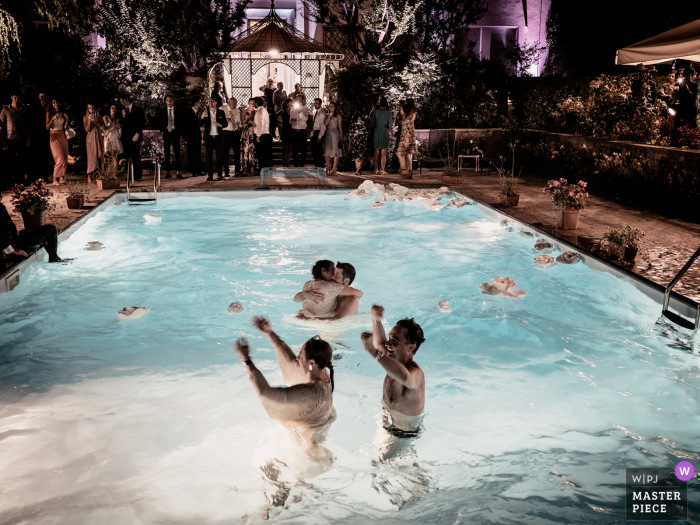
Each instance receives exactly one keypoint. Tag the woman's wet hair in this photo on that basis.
(414, 333)
(322, 353)
(348, 271)
(320, 266)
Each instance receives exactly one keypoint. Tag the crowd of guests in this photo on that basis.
(237, 136)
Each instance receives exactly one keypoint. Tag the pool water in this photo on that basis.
(534, 407)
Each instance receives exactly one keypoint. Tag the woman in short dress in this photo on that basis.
(94, 142)
(334, 131)
(381, 123)
(359, 133)
(249, 161)
(113, 132)
(407, 142)
(56, 123)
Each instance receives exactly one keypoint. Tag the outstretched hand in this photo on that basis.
(262, 324)
(242, 349)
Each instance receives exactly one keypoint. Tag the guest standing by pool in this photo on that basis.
(299, 116)
(404, 384)
(232, 137)
(56, 121)
(214, 121)
(113, 132)
(263, 138)
(334, 133)
(406, 146)
(381, 123)
(286, 134)
(94, 142)
(308, 398)
(249, 159)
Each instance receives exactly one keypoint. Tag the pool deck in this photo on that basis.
(669, 242)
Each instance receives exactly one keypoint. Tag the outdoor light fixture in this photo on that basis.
(672, 112)
(296, 104)
(525, 28)
(273, 52)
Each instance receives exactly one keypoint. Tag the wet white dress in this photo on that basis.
(329, 289)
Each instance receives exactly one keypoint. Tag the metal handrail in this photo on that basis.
(130, 175)
(678, 277)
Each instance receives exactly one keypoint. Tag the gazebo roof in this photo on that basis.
(273, 35)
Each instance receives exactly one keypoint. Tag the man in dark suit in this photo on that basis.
(193, 136)
(132, 133)
(171, 124)
(213, 121)
(40, 149)
(14, 243)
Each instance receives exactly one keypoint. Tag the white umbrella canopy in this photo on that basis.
(680, 43)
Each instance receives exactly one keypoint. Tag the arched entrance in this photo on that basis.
(279, 72)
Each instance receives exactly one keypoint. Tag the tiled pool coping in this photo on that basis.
(679, 303)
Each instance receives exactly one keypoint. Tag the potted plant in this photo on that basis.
(624, 242)
(450, 175)
(568, 200)
(33, 203)
(108, 173)
(76, 196)
(508, 183)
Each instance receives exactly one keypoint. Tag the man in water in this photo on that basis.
(348, 301)
(404, 384)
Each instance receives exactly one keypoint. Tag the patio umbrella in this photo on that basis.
(680, 43)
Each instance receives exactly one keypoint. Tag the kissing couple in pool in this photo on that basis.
(329, 296)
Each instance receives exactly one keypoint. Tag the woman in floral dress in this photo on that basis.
(359, 134)
(249, 160)
(407, 142)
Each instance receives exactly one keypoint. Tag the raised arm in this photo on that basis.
(378, 333)
(287, 360)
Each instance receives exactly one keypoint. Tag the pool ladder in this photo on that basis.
(130, 178)
(673, 317)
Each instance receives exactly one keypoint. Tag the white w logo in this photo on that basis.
(684, 471)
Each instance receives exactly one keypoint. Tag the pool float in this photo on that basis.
(544, 261)
(235, 308)
(543, 246)
(444, 306)
(132, 312)
(94, 245)
(569, 258)
(152, 218)
(504, 287)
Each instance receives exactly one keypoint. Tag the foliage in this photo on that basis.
(9, 36)
(110, 169)
(76, 190)
(385, 22)
(627, 237)
(449, 158)
(507, 180)
(31, 199)
(521, 58)
(441, 19)
(566, 196)
(152, 148)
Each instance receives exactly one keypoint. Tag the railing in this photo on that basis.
(130, 178)
(681, 321)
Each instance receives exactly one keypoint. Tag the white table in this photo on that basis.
(460, 157)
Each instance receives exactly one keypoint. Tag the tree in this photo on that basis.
(9, 38)
(441, 19)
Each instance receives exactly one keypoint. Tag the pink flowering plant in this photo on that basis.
(566, 196)
(32, 199)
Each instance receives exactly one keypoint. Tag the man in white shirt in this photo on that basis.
(318, 133)
(263, 139)
(299, 116)
(232, 136)
(213, 120)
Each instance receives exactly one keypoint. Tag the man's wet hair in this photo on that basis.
(319, 266)
(348, 271)
(322, 353)
(414, 333)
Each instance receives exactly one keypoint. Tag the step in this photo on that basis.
(680, 321)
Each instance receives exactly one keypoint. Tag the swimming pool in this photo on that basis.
(534, 407)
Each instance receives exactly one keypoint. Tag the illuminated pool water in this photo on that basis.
(534, 407)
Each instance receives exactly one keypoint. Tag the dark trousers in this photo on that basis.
(171, 138)
(133, 152)
(232, 139)
(264, 151)
(273, 120)
(16, 160)
(194, 154)
(317, 150)
(214, 145)
(46, 235)
(299, 147)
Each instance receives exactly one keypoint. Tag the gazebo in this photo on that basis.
(274, 42)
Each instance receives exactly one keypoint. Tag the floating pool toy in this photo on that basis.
(543, 246)
(444, 306)
(152, 218)
(235, 308)
(132, 312)
(94, 245)
(569, 258)
(504, 287)
(544, 261)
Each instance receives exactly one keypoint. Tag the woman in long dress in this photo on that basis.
(359, 134)
(407, 142)
(113, 133)
(334, 131)
(56, 121)
(381, 123)
(249, 160)
(94, 142)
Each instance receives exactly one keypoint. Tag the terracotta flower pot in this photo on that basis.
(568, 219)
(109, 184)
(34, 220)
(510, 200)
(626, 254)
(447, 179)
(75, 204)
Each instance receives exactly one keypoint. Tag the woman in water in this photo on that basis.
(319, 298)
